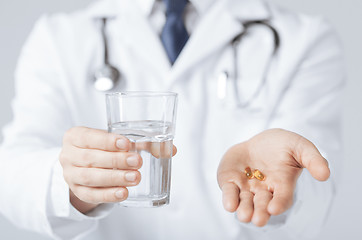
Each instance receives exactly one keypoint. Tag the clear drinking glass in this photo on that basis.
(147, 119)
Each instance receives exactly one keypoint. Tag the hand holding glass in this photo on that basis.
(147, 119)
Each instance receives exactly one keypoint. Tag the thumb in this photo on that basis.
(308, 156)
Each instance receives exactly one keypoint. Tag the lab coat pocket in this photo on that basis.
(229, 117)
(241, 95)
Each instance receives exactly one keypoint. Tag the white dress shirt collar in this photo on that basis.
(200, 5)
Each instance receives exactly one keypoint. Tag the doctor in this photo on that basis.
(57, 173)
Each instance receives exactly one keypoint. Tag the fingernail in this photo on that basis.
(121, 143)
(120, 194)
(131, 176)
(132, 161)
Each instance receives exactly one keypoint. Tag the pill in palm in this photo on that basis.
(249, 174)
(259, 175)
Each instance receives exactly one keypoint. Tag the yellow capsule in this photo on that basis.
(259, 175)
(249, 174)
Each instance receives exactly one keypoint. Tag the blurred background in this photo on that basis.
(18, 16)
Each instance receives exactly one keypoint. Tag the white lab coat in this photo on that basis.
(54, 93)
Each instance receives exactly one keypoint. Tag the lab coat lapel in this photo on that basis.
(140, 35)
(217, 29)
(135, 30)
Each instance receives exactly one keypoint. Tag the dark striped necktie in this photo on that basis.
(174, 35)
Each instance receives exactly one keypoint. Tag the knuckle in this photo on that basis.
(75, 190)
(86, 157)
(230, 176)
(245, 194)
(68, 135)
(108, 140)
(63, 158)
(84, 135)
(84, 177)
(67, 176)
(115, 178)
(84, 194)
(107, 196)
(242, 217)
(122, 159)
(115, 157)
(88, 196)
(111, 138)
(75, 134)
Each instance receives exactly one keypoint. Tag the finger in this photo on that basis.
(96, 177)
(100, 195)
(246, 206)
(230, 196)
(163, 150)
(282, 199)
(174, 150)
(309, 157)
(230, 169)
(83, 137)
(261, 214)
(93, 158)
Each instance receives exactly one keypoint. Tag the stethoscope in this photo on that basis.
(225, 75)
(108, 77)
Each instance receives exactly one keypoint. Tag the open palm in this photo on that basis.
(281, 156)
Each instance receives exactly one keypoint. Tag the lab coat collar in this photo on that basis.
(217, 27)
(146, 6)
(133, 29)
(200, 5)
(103, 8)
(110, 8)
(216, 30)
(249, 10)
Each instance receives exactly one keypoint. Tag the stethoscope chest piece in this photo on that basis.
(106, 78)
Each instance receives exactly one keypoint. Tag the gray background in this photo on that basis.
(16, 21)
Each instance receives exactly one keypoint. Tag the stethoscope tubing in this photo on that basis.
(105, 40)
(235, 44)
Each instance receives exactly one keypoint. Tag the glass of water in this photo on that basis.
(147, 119)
